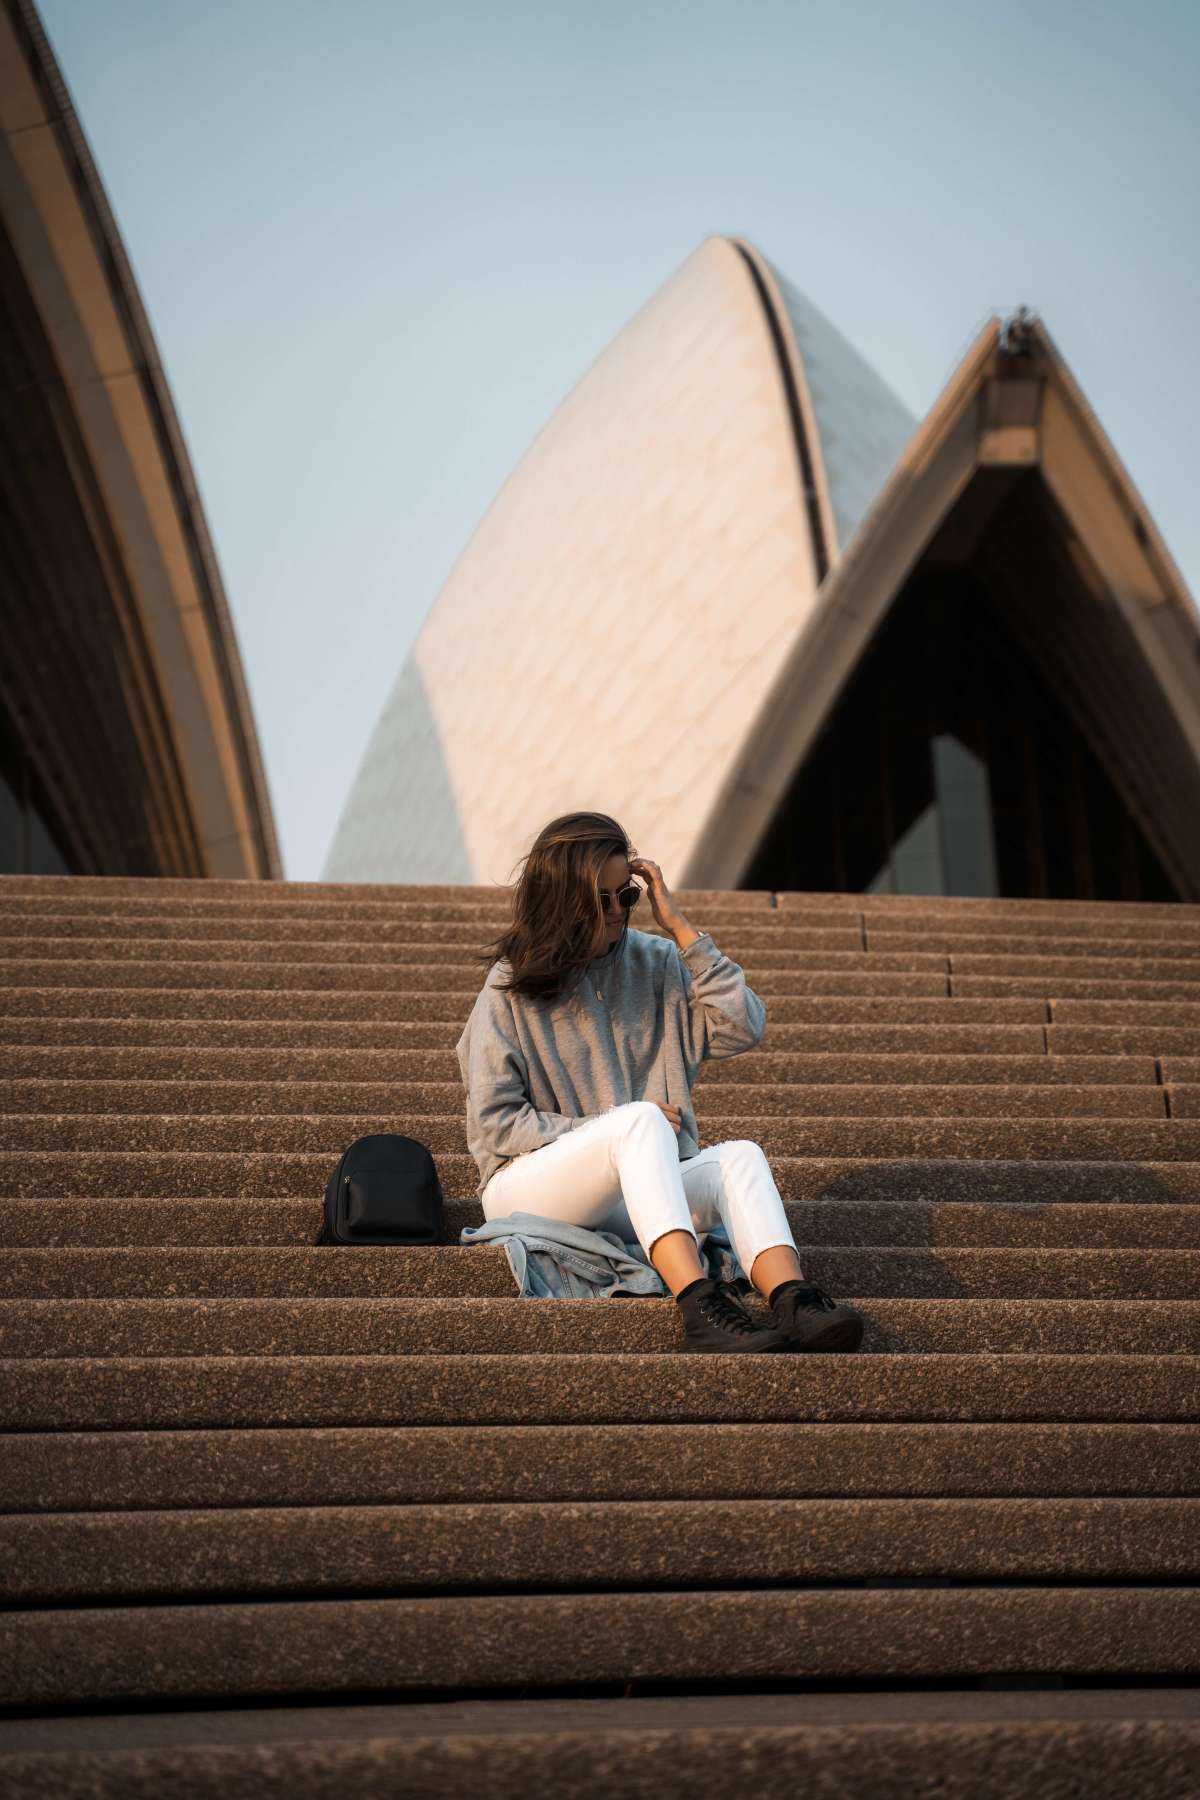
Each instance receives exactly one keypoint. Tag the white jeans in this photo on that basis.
(621, 1172)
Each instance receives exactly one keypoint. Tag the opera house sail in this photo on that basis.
(127, 744)
(736, 595)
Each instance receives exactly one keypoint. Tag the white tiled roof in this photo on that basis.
(612, 629)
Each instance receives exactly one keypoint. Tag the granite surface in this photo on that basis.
(1061, 1759)
(966, 1107)
(184, 1392)
(514, 1327)
(496, 1641)
(490, 1547)
(328, 1271)
(88, 1470)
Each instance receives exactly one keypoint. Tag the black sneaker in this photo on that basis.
(714, 1319)
(813, 1320)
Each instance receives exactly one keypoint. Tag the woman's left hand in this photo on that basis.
(666, 913)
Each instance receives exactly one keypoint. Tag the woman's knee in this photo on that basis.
(638, 1118)
(743, 1151)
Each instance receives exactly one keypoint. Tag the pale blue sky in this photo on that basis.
(378, 243)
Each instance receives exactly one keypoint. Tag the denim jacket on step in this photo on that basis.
(553, 1261)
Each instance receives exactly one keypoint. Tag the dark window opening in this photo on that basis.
(950, 767)
(29, 839)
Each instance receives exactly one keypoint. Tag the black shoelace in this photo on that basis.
(816, 1297)
(721, 1307)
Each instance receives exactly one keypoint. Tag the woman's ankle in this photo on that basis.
(676, 1256)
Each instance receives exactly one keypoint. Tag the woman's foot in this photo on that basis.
(715, 1320)
(813, 1320)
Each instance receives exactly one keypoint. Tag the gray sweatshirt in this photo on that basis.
(643, 1018)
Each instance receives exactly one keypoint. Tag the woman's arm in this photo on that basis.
(725, 1015)
(498, 1083)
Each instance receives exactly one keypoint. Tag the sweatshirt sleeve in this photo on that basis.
(725, 1015)
(498, 1082)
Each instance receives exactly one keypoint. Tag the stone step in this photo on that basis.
(1068, 1011)
(1053, 988)
(88, 1558)
(460, 947)
(445, 1271)
(379, 1464)
(174, 1393)
(229, 1064)
(132, 888)
(1123, 1040)
(715, 1100)
(22, 917)
(1032, 1223)
(306, 922)
(847, 1002)
(901, 907)
(547, 1640)
(1184, 970)
(201, 915)
(306, 939)
(1029, 938)
(456, 987)
(1062, 1139)
(514, 1327)
(202, 910)
(456, 967)
(128, 888)
(944, 1032)
(923, 1028)
(28, 1010)
(998, 1743)
(165, 1175)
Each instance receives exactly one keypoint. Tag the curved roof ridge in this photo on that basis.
(862, 423)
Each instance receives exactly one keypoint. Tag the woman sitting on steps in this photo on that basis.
(578, 1060)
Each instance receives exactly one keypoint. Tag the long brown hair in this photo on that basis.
(556, 905)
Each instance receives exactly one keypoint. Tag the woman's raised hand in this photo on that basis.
(673, 1113)
(662, 904)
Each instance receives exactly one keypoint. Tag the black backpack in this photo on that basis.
(385, 1190)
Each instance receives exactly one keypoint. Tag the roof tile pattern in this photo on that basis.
(618, 617)
(863, 425)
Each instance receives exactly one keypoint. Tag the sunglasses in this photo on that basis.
(625, 897)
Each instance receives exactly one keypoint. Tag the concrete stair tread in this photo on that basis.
(165, 1175)
(406, 985)
(457, 953)
(455, 986)
(714, 1099)
(298, 1465)
(481, 1271)
(1051, 987)
(312, 1750)
(208, 918)
(1084, 1138)
(839, 1000)
(457, 965)
(90, 1557)
(228, 1064)
(1032, 1223)
(154, 888)
(383, 1645)
(124, 1393)
(374, 1326)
